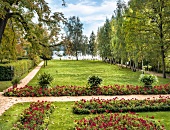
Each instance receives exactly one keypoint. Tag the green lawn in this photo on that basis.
(63, 118)
(77, 73)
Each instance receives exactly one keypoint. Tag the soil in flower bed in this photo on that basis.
(30, 91)
(118, 121)
(114, 105)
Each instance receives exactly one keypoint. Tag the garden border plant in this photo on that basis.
(93, 106)
(30, 91)
(118, 121)
(35, 117)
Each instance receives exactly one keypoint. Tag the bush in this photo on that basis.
(148, 79)
(44, 80)
(94, 81)
(15, 81)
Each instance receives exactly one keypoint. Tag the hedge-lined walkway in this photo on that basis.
(7, 102)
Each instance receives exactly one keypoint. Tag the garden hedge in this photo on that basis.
(8, 71)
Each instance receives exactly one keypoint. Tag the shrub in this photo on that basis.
(15, 81)
(117, 121)
(44, 80)
(94, 81)
(148, 79)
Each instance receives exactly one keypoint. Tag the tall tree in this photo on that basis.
(156, 27)
(74, 32)
(92, 44)
(22, 12)
(84, 45)
(104, 40)
(119, 45)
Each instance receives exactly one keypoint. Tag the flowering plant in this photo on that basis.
(30, 91)
(36, 117)
(93, 106)
(148, 79)
(119, 121)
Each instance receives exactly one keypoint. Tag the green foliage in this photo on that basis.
(15, 69)
(36, 116)
(44, 80)
(94, 81)
(22, 66)
(104, 40)
(116, 105)
(28, 91)
(15, 80)
(6, 73)
(118, 121)
(74, 34)
(92, 44)
(148, 79)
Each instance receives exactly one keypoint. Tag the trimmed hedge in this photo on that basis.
(18, 68)
(6, 73)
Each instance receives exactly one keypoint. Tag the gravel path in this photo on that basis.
(7, 102)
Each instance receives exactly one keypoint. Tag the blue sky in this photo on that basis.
(92, 13)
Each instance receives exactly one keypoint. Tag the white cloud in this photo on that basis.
(91, 14)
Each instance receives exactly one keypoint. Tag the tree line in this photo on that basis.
(138, 34)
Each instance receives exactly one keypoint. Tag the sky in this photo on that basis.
(92, 13)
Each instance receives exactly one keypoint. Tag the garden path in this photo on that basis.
(7, 102)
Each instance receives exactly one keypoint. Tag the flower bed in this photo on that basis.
(118, 121)
(28, 91)
(35, 117)
(114, 105)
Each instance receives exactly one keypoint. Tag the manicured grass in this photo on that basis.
(11, 115)
(4, 85)
(63, 118)
(77, 72)
(163, 117)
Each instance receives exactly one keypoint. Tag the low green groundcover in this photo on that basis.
(29, 91)
(114, 105)
(118, 121)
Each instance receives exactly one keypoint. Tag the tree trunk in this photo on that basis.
(163, 62)
(46, 62)
(161, 42)
(158, 67)
(3, 23)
